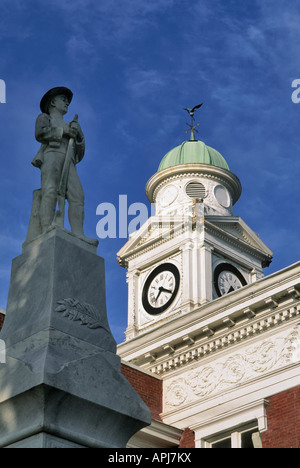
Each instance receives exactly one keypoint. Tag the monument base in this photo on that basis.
(62, 385)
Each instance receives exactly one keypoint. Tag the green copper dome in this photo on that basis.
(193, 152)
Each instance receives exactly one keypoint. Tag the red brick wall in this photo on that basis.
(187, 439)
(283, 416)
(149, 388)
(2, 317)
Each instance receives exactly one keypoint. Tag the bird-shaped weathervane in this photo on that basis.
(191, 125)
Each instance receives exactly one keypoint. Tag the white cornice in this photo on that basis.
(248, 235)
(259, 251)
(228, 338)
(227, 177)
(157, 435)
(141, 242)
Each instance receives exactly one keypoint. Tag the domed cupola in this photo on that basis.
(193, 152)
(192, 171)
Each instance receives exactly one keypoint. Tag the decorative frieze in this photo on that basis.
(239, 367)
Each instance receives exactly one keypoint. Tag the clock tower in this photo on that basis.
(193, 249)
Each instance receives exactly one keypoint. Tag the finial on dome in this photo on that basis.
(192, 127)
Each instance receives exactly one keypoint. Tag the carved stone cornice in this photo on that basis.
(177, 227)
(216, 343)
(248, 246)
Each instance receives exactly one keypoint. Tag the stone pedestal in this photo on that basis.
(61, 385)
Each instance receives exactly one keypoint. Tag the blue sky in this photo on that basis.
(132, 66)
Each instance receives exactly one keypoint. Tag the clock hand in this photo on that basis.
(165, 290)
(158, 294)
(162, 289)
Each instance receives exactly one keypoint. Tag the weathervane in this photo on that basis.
(192, 127)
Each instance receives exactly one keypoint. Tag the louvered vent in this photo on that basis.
(195, 190)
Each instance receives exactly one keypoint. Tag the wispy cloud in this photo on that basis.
(142, 83)
(110, 20)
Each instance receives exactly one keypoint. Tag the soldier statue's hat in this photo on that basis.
(46, 99)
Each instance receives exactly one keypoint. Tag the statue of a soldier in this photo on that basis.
(62, 147)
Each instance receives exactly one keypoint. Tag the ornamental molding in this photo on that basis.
(161, 230)
(235, 230)
(195, 175)
(191, 175)
(234, 240)
(152, 242)
(227, 178)
(252, 362)
(215, 344)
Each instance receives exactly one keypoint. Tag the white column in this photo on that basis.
(205, 272)
(132, 281)
(187, 275)
(196, 272)
(236, 440)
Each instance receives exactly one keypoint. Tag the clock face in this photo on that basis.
(227, 278)
(161, 288)
(228, 282)
(168, 196)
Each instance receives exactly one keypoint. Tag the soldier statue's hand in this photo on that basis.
(70, 131)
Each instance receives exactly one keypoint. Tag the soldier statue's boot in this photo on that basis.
(76, 217)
